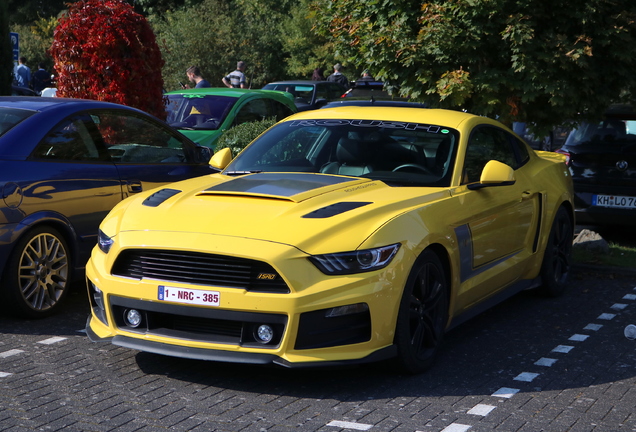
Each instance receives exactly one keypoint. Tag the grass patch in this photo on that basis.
(618, 256)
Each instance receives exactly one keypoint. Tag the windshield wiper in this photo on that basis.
(237, 173)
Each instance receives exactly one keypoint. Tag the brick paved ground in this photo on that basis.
(531, 364)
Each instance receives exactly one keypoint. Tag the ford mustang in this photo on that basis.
(342, 235)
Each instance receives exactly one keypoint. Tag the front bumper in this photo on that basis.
(307, 331)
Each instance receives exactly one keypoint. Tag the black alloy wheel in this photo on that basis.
(423, 314)
(555, 268)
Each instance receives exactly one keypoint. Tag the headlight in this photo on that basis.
(356, 261)
(104, 242)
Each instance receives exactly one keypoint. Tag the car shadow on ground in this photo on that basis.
(477, 357)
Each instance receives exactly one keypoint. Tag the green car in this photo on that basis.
(203, 114)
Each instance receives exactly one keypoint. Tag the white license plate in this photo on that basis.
(188, 296)
(614, 201)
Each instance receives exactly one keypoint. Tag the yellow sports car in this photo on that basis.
(349, 234)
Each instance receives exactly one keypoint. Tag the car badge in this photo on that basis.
(622, 165)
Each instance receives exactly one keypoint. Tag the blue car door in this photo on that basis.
(147, 153)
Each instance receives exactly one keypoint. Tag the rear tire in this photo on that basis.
(557, 258)
(37, 275)
(423, 314)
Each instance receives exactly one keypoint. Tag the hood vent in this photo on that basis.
(157, 198)
(335, 209)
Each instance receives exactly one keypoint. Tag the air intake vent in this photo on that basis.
(199, 269)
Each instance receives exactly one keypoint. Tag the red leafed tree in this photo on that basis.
(104, 50)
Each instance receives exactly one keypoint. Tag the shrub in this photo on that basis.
(238, 137)
(104, 50)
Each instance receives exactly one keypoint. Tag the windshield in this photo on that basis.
(197, 111)
(10, 117)
(398, 153)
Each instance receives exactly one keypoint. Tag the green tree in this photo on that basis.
(215, 34)
(534, 60)
(35, 41)
(104, 50)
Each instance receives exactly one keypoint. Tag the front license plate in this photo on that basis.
(188, 296)
(614, 201)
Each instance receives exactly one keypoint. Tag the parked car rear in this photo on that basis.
(601, 156)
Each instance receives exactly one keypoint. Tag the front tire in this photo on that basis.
(37, 276)
(423, 314)
(555, 268)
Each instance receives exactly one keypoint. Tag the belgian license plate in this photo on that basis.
(614, 201)
(188, 296)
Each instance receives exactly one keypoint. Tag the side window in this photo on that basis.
(70, 140)
(279, 110)
(254, 110)
(133, 139)
(486, 144)
(521, 149)
(322, 93)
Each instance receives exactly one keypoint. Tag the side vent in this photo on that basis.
(157, 198)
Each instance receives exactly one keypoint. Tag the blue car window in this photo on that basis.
(132, 139)
(69, 140)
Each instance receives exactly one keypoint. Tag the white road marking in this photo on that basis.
(618, 306)
(629, 297)
(593, 327)
(578, 337)
(526, 376)
(505, 392)
(349, 425)
(606, 316)
(544, 361)
(456, 427)
(10, 353)
(563, 349)
(481, 410)
(52, 340)
(5, 374)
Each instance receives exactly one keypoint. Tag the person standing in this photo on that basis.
(23, 73)
(338, 77)
(366, 76)
(318, 75)
(41, 79)
(236, 79)
(194, 76)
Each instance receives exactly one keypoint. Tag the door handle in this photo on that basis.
(134, 186)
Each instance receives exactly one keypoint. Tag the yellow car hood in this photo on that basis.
(303, 210)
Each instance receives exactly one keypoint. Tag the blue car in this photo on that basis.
(64, 164)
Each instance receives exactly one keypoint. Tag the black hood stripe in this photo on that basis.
(278, 184)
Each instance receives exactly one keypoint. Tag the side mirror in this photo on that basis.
(221, 159)
(494, 173)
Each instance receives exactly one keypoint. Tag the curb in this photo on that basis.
(627, 271)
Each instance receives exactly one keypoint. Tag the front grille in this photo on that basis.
(199, 269)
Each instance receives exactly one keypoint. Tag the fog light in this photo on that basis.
(132, 317)
(264, 333)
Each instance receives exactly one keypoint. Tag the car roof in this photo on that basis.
(435, 116)
(218, 91)
(375, 102)
(236, 93)
(297, 82)
(47, 103)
